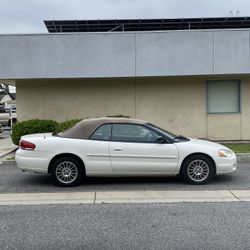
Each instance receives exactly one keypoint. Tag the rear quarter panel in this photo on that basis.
(94, 154)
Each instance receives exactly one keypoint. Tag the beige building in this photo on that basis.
(191, 82)
(179, 104)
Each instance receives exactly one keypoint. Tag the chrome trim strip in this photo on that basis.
(133, 156)
(144, 156)
(98, 155)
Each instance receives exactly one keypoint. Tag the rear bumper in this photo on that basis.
(32, 161)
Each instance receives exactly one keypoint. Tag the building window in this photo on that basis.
(223, 97)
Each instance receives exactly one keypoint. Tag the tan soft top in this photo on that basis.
(85, 128)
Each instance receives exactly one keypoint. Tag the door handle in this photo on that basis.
(117, 149)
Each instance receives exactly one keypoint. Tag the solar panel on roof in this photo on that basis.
(117, 25)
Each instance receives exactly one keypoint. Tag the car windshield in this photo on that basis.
(175, 138)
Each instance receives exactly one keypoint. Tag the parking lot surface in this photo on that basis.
(13, 180)
(126, 226)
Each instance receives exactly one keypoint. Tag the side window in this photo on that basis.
(133, 133)
(103, 133)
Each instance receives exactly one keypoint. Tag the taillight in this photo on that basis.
(25, 145)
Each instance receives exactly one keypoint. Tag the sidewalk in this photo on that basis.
(6, 146)
(125, 197)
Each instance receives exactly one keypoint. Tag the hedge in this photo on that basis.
(39, 126)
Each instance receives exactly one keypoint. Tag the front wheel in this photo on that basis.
(67, 171)
(197, 170)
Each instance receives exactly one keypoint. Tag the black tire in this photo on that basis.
(197, 170)
(67, 171)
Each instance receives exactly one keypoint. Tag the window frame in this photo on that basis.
(239, 96)
(89, 138)
(168, 141)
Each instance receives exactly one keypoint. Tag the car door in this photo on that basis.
(133, 149)
(97, 147)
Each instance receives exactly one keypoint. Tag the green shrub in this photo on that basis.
(66, 125)
(32, 127)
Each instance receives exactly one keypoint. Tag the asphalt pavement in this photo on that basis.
(13, 180)
(132, 226)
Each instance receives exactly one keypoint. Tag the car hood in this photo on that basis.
(205, 144)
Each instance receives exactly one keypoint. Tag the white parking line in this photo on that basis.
(124, 197)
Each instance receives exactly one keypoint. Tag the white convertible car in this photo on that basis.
(122, 147)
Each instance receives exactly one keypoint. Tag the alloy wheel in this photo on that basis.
(66, 172)
(198, 170)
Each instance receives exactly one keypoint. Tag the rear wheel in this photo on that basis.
(197, 170)
(67, 171)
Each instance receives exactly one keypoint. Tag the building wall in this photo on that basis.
(177, 104)
(245, 119)
(125, 54)
(67, 99)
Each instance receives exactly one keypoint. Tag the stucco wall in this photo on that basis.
(125, 54)
(174, 103)
(245, 108)
(177, 104)
(67, 99)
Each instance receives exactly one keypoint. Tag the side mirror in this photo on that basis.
(161, 140)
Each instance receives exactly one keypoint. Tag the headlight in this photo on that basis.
(225, 153)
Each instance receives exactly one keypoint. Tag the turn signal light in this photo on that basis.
(25, 145)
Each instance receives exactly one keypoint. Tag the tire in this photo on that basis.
(67, 171)
(197, 170)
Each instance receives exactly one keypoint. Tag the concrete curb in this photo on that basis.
(244, 157)
(125, 197)
(10, 162)
(8, 152)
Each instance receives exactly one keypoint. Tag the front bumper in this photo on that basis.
(226, 165)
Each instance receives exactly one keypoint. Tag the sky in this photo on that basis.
(27, 16)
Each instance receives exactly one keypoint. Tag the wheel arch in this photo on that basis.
(56, 157)
(197, 154)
